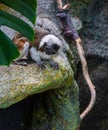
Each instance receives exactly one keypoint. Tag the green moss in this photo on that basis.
(59, 109)
(71, 54)
(20, 86)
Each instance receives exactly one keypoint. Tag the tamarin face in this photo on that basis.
(50, 44)
(51, 50)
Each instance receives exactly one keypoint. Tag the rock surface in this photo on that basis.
(18, 82)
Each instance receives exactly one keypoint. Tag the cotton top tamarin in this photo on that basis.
(44, 47)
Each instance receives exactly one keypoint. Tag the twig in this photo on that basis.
(88, 80)
(59, 3)
(66, 7)
(72, 34)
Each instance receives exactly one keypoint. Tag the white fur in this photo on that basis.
(24, 52)
(50, 39)
(35, 54)
(38, 55)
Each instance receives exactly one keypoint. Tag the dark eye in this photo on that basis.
(56, 47)
(45, 44)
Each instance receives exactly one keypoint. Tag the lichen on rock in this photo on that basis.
(18, 82)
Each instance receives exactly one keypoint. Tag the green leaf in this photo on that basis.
(32, 4)
(25, 7)
(17, 24)
(8, 50)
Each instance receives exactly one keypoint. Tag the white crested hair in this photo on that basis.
(50, 39)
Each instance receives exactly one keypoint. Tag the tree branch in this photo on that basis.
(71, 33)
(59, 3)
(88, 80)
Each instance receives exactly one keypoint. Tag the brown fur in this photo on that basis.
(37, 39)
(20, 40)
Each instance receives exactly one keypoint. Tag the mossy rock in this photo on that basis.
(18, 82)
(57, 109)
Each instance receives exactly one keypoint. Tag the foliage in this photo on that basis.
(8, 50)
